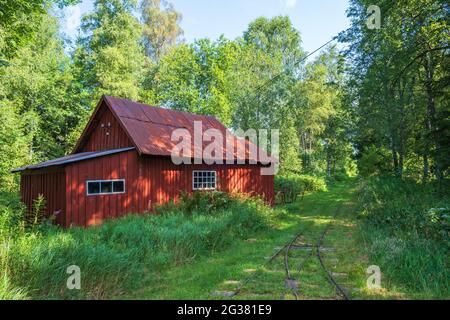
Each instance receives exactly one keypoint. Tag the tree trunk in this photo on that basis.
(431, 115)
(425, 168)
(401, 147)
(394, 153)
(328, 160)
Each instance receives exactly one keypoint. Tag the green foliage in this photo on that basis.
(374, 161)
(398, 84)
(18, 22)
(39, 206)
(406, 206)
(161, 27)
(289, 153)
(36, 97)
(299, 184)
(253, 82)
(114, 257)
(278, 38)
(407, 228)
(109, 58)
(13, 146)
(193, 78)
(203, 202)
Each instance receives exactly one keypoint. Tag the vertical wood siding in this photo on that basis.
(52, 185)
(106, 137)
(148, 181)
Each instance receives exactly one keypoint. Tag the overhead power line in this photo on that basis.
(389, 4)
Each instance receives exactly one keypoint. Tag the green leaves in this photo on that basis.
(109, 56)
(34, 97)
(259, 81)
(397, 77)
(195, 78)
(160, 27)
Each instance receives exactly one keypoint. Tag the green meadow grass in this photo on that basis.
(221, 272)
(115, 257)
(212, 244)
(349, 254)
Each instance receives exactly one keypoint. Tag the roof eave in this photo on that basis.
(91, 155)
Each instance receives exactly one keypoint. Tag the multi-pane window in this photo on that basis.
(102, 187)
(203, 180)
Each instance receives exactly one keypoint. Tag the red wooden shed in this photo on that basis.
(122, 164)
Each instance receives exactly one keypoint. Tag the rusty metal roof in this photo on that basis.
(151, 128)
(71, 159)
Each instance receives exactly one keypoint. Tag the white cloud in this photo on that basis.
(73, 18)
(290, 3)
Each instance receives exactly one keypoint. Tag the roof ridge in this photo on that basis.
(157, 123)
(162, 108)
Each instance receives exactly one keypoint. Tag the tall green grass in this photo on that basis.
(406, 226)
(117, 256)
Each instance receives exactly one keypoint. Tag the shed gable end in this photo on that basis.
(103, 132)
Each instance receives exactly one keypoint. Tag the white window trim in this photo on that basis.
(204, 189)
(105, 193)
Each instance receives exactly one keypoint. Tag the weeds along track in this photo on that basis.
(291, 284)
(330, 277)
(253, 275)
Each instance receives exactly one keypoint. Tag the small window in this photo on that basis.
(119, 186)
(93, 187)
(204, 180)
(105, 187)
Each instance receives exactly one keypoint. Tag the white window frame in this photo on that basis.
(105, 193)
(204, 189)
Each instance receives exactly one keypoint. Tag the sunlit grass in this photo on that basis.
(209, 275)
(116, 257)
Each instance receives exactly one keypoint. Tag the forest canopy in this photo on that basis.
(379, 106)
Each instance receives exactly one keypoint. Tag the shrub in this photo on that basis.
(298, 184)
(405, 206)
(374, 161)
(204, 202)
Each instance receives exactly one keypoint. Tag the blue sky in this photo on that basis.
(317, 20)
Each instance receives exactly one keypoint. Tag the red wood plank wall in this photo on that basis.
(107, 134)
(52, 185)
(148, 181)
(92, 210)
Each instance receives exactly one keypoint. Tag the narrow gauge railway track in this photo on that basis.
(290, 282)
(330, 277)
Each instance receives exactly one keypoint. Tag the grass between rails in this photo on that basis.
(223, 271)
(347, 253)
